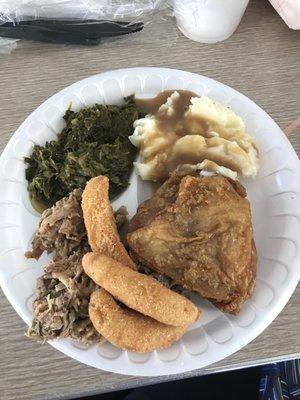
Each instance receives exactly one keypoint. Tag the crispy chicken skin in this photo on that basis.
(198, 231)
(165, 195)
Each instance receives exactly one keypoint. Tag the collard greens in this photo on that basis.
(94, 142)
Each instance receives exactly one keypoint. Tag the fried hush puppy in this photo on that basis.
(156, 316)
(128, 329)
(139, 291)
(100, 223)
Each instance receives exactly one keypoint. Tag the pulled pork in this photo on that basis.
(63, 291)
(61, 229)
(61, 306)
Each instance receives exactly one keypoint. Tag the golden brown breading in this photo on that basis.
(203, 239)
(100, 223)
(129, 329)
(236, 302)
(165, 195)
(139, 291)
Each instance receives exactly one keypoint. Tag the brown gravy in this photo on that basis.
(174, 123)
(151, 106)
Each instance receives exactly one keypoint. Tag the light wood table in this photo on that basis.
(261, 60)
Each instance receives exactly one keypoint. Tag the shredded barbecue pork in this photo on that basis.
(63, 291)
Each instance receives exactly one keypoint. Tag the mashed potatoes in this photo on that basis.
(188, 133)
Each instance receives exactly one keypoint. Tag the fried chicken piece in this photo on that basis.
(165, 195)
(100, 222)
(198, 231)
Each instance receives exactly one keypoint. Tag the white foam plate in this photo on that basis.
(275, 202)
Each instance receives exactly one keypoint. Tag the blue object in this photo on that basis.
(280, 381)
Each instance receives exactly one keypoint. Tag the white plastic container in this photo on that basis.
(209, 21)
(289, 10)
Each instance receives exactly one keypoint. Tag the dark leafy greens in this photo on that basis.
(94, 142)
